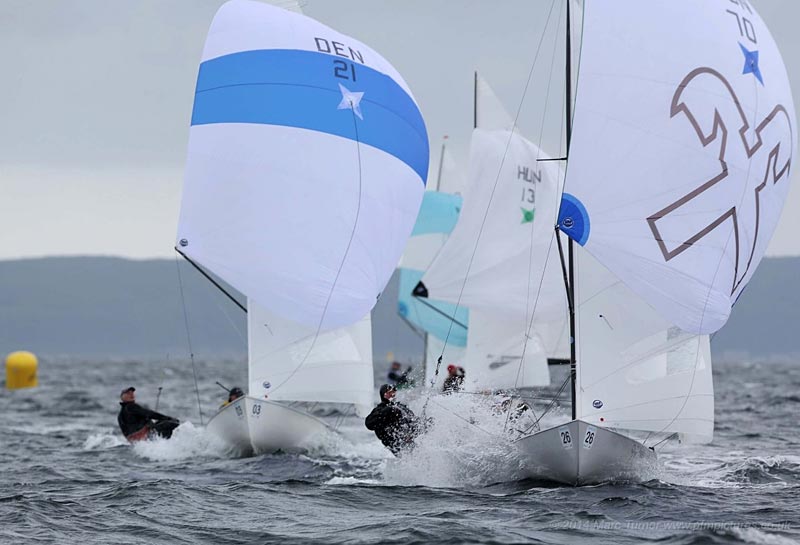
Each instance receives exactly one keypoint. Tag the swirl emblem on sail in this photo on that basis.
(765, 148)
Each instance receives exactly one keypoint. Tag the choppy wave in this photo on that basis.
(70, 476)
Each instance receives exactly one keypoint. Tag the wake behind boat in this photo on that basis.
(306, 166)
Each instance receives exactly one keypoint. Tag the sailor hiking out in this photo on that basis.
(138, 423)
(393, 423)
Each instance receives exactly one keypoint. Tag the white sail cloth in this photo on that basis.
(306, 165)
(509, 229)
(635, 370)
(289, 362)
(496, 261)
(681, 151)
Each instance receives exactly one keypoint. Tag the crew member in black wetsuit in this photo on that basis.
(455, 379)
(136, 422)
(395, 424)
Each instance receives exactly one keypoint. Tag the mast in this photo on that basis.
(441, 162)
(573, 366)
(475, 100)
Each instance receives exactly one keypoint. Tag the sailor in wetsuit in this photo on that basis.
(395, 424)
(137, 422)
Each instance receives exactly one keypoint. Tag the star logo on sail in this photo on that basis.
(751, 63)
(351, 101)
(527, 215)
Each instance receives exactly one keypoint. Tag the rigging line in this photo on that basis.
(550, 405)
(716, 273)
(667, 438)
(161, 383)
(341, 265)
(464, 419)
(189, 339)
(224, 312)
(494, 187)
(210, 279)
(526, 336)
(439, 311)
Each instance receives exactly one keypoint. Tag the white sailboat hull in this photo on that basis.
(577, 453)
(256, 426)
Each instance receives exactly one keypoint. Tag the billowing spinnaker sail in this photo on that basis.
(510, 240)
(635, 370)
(437, 218)
(306, 165)
(681, 150)
(289, 362)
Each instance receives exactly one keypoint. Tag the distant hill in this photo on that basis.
(103, 307)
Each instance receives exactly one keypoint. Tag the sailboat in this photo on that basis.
(510, 198)
(306, 167)
(677, 170)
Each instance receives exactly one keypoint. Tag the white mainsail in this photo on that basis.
(494, 261)
(289, 362)
(678, 170)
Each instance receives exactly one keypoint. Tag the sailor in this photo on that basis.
(233, 394)
(393, 423)
(401, 380)
(455, 379)
(137, 422)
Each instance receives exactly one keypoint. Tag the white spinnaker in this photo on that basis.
(680, 152)
(306, 222)
(635, 370)
(284, 366)
(495, 351)
(511, 246)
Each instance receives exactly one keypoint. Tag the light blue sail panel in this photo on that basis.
(438, 213)
(295, 88)
(424, 317)
(438, 216)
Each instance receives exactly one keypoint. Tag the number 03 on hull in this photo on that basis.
(257, 426)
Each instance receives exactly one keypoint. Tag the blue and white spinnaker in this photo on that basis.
(306, 165)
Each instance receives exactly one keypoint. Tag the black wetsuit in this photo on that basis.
(395, 425)
(452, 383)
(133, 418)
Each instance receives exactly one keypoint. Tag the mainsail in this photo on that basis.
(678, 170)
(494, 261)
(306, 167)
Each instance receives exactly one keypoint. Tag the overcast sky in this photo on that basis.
(96, 97)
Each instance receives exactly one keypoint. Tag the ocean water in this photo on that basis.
(67, 475)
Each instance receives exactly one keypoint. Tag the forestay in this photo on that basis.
(306, 165)
(681, 153)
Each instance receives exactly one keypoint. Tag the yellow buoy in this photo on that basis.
(21, 370)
